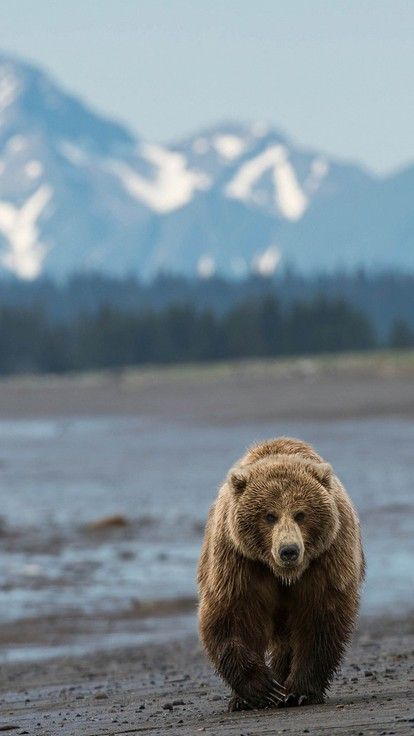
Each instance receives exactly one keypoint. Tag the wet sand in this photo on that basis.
(171, 689)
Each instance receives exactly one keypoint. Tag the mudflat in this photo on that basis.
(171, 689)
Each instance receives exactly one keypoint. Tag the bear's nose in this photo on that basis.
(289, 552)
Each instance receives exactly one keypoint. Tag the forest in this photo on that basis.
(112, 336)
(383, 297)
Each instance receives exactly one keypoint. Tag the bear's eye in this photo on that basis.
(271, 518)
(299, 516)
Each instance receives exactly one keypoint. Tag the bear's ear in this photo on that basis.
(238, 478)
(323, 473)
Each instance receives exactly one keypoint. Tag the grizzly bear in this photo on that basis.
(279, 576)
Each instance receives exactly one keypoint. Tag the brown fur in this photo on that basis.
(261, 620)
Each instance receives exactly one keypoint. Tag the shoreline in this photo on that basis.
(324, 387)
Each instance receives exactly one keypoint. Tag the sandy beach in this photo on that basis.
(93, 674)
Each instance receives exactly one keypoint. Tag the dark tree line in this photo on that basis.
(257, 327)
(384, 297)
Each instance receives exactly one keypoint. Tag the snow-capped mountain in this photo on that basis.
(78, 191)
(259, 167)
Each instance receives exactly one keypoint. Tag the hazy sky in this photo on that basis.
(335, 74)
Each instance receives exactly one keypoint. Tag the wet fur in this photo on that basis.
(258, 621)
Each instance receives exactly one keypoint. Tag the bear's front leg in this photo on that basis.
(318, 643)
(251, 680)
(238, 652)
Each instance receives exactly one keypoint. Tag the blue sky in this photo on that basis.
(335, 74)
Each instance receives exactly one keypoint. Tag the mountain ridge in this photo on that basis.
(79, 191)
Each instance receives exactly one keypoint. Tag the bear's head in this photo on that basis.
(282, 512)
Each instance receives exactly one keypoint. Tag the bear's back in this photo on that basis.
(280, 446)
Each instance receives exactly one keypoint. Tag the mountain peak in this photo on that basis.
(228, 140)
(30, 100)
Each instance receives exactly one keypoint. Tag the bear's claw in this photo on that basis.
(236, 704)
(274, 698)
(293, 699)
(276, 694)
(280, 687)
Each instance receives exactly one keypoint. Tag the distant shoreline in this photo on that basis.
(350, 385)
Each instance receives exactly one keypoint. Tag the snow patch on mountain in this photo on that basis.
(290, 200)
(206, 266)
(229, 146)
(319, 169)
(19, 225)
(33, 169)
(266, 263)
(75, 155)
(173, 186)
(9, 86)
(16, 144)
